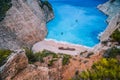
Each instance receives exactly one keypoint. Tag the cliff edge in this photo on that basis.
(24, 23)
(18, 68)
(112, 9)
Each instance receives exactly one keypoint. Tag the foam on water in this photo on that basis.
(76, 23)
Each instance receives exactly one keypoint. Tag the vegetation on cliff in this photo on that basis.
(45, 2)
(116, 36)
(4, 6)
(66, 59)
(4, 53)
(108, 68)
(105, 69)
(34, 57)
(112, 52)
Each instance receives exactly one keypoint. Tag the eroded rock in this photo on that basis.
(18, 68)
(25, 22)
(16, 62)
(112, 26)
(110, 8)
(33, 72)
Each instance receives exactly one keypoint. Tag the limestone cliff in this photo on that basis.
(112, 9)
(24, 23)
(112, 26)
(17, 68)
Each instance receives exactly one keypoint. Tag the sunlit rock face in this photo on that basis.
(110, 8)
(26, 23)
(112, 26)
(17, 68)
(16, 62)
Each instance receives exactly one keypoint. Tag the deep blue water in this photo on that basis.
(76, 21)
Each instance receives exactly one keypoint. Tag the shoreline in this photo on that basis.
(64, 42)
(53, 45)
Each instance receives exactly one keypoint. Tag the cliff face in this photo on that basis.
(112, 26)
(15, 63)
(24, 23)
(17, 68)
(112, 9)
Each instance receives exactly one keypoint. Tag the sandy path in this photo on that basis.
(52, 45)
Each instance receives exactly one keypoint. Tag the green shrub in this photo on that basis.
(51, 62)
(47, 53)
(65, 59)
(4, 53)
(4, 6)
(30, 55)
(112, 52)
(45, 2)
(116, 36)
(105, 69)
(40, 55)
(108, 68)
(33, 57)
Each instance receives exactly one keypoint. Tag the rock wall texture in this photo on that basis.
(112, 9)
(17, 68)
(24, 23)
(15, 63)
(112, 26)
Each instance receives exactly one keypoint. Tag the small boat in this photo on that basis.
(67, 48)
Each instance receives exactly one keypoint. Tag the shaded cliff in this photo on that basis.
(4, 7)
(24, 23)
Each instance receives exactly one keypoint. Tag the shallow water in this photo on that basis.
(76, 21)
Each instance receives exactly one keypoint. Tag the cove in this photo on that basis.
(76, 21)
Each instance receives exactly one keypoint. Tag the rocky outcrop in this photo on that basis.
(24, 23)
(110, 8)
(33, 72)
(16, 62)
(112, 26)
(17, 68)
(8, 39)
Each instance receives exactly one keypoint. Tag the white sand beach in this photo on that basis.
(54, 46)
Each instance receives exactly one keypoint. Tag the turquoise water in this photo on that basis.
(76, 21)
